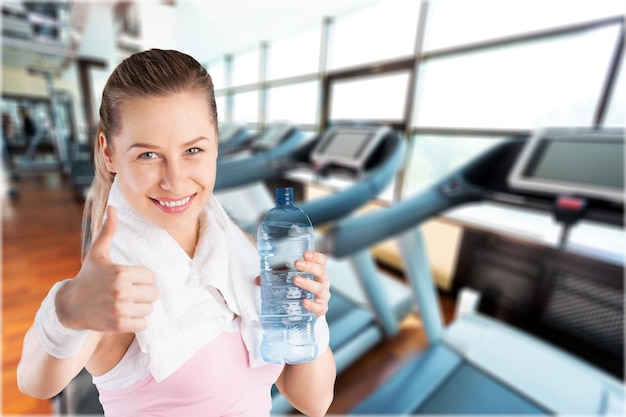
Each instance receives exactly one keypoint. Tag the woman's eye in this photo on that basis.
(192, 151)
(147, 155)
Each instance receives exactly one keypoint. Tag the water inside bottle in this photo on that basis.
(287, 325)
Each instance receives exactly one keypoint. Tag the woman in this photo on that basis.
(162, 312)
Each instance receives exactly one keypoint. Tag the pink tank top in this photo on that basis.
(216, 381)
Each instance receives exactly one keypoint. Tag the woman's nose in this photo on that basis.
(173, 176)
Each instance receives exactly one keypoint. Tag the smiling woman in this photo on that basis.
(166, 295)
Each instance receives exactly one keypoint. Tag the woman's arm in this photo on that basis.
(103, 297)
(42, 375)
(309, 387)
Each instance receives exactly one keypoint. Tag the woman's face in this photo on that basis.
(165, 158)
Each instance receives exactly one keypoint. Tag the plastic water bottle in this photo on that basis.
(283, 237)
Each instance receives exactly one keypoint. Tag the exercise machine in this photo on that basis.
(478, 364)
(239, 186)
(233, 138)
(82, 169)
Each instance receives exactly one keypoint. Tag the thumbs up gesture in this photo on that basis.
(105, 296)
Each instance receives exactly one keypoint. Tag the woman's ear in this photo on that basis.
(107, 152)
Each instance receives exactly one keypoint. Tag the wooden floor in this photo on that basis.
(41, 245)
(41, 237)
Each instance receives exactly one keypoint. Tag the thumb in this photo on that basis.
(101, 244)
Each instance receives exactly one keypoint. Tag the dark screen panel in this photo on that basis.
(348, 144)
(580, 162)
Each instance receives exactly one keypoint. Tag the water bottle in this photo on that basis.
(283, 237)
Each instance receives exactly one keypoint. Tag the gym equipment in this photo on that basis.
(312, 158)
(233, 138)
(275, 142)
(58, 131)
(238, 185)
(82, 169)
(478, 365)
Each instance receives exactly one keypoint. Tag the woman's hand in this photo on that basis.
(104, 296)
(314, 263)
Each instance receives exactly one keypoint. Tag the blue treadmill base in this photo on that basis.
(470, 391)
(440, 382)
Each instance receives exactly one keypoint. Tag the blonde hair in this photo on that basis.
(150, 73)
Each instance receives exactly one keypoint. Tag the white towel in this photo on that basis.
(197, 296)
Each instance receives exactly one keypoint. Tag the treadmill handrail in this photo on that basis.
(262, 166)
(360, 232)
(477, 180)
(238, 137)
(357, 233)
(292, 142)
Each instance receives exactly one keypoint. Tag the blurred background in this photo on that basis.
(453, 77)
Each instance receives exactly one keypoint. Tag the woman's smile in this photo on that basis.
(173, 205)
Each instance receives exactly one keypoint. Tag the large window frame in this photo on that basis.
(413, 64)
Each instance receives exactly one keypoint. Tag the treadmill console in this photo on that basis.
(272, 137)
(586, 163)
(227, 132)
(348, 147)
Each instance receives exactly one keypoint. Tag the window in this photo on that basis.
(218, 74)
(433, 157)
(552, 81)
(295, 55)
(373, 97)
(246, 67)
(296, 103)
(246, 107)
(381, 32)
(616, 109)
(452, 23)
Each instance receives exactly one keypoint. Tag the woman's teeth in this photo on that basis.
(174, 203)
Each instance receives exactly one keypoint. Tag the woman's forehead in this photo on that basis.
(180, 115)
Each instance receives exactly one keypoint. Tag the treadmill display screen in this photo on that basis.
(585, 163)
(593, 163)
(349, 146)
(346, 144)
(271, 137)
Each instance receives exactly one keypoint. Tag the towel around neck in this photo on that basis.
(199, 296)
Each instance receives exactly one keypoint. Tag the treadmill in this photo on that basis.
(477, 364)
(367, 304)
(237, 186)
(275, 141)
(232, 138)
